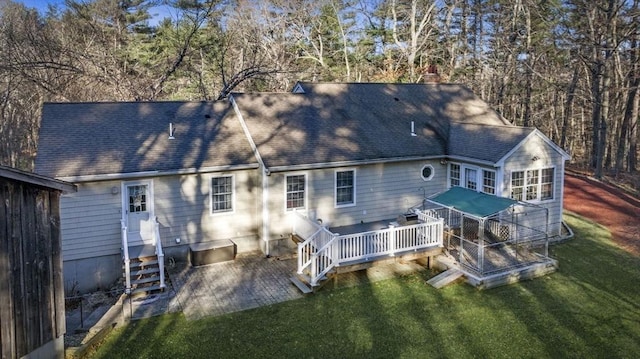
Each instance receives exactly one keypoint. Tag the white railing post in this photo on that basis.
(392, 238)
(125, 257)
(159, 251)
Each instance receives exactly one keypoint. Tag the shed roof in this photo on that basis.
(90, 139)
(478, 204)
(36, 179)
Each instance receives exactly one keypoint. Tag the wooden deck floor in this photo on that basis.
(362, 227)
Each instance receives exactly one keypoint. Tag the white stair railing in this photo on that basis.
(125, 257)
(159, 252)
(323, 250)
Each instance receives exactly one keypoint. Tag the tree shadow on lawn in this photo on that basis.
(586, 309)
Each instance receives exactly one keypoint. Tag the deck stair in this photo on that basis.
(145, 275)
(323, 255)
(302, 284)
(447, 277)
(143, 265)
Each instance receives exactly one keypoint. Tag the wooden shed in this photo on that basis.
(32, 318)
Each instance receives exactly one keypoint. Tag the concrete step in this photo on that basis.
(298, 282)
(444, 278)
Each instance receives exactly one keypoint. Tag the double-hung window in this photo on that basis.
(532, 185)
(295, 192)
(221, 194)
(488, 182)
(345, 188)
(454, 174)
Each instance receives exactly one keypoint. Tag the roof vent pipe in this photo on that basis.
(171, 131)
(413, 128)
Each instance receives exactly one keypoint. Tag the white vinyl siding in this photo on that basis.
(90, 218)
(382, 192)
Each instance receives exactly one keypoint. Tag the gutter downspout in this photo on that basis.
(264, 172)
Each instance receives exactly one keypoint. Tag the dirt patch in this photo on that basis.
(605, 204)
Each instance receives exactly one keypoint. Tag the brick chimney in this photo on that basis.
(431, 76)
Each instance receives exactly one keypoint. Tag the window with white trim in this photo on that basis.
(517, 185)
(295, 192)
(546, 184)
(221, 194)
(454, 174)
(488, 182)
(533, 185)
(473, 178)
(427, 172)
(345, 188)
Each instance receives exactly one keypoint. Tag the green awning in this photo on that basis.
(481, 205)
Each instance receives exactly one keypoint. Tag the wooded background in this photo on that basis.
(569, 67)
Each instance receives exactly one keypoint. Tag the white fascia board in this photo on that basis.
(146, 174)
(472, 160)
(312, 166)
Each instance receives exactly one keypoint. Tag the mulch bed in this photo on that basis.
(607, 205)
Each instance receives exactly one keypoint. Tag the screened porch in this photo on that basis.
(489, 235)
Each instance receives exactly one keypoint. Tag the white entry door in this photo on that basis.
(137, 207)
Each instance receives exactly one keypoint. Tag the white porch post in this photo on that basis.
(265, 209)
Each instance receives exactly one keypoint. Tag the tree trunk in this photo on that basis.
(568, 108)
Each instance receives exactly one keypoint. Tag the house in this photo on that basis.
(178, 174)
(32, 314)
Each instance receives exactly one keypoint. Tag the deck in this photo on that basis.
(339, 249)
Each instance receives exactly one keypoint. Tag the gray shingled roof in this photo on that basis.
(485, 142)
(84, 139)
(357, 122)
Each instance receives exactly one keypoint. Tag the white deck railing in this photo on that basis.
(323, 250)
(125, 257)
(159, 252)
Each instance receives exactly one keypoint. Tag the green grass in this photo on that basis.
(590, 308)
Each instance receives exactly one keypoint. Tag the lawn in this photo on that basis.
(590, 308)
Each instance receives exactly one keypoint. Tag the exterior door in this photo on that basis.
(137, 203)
